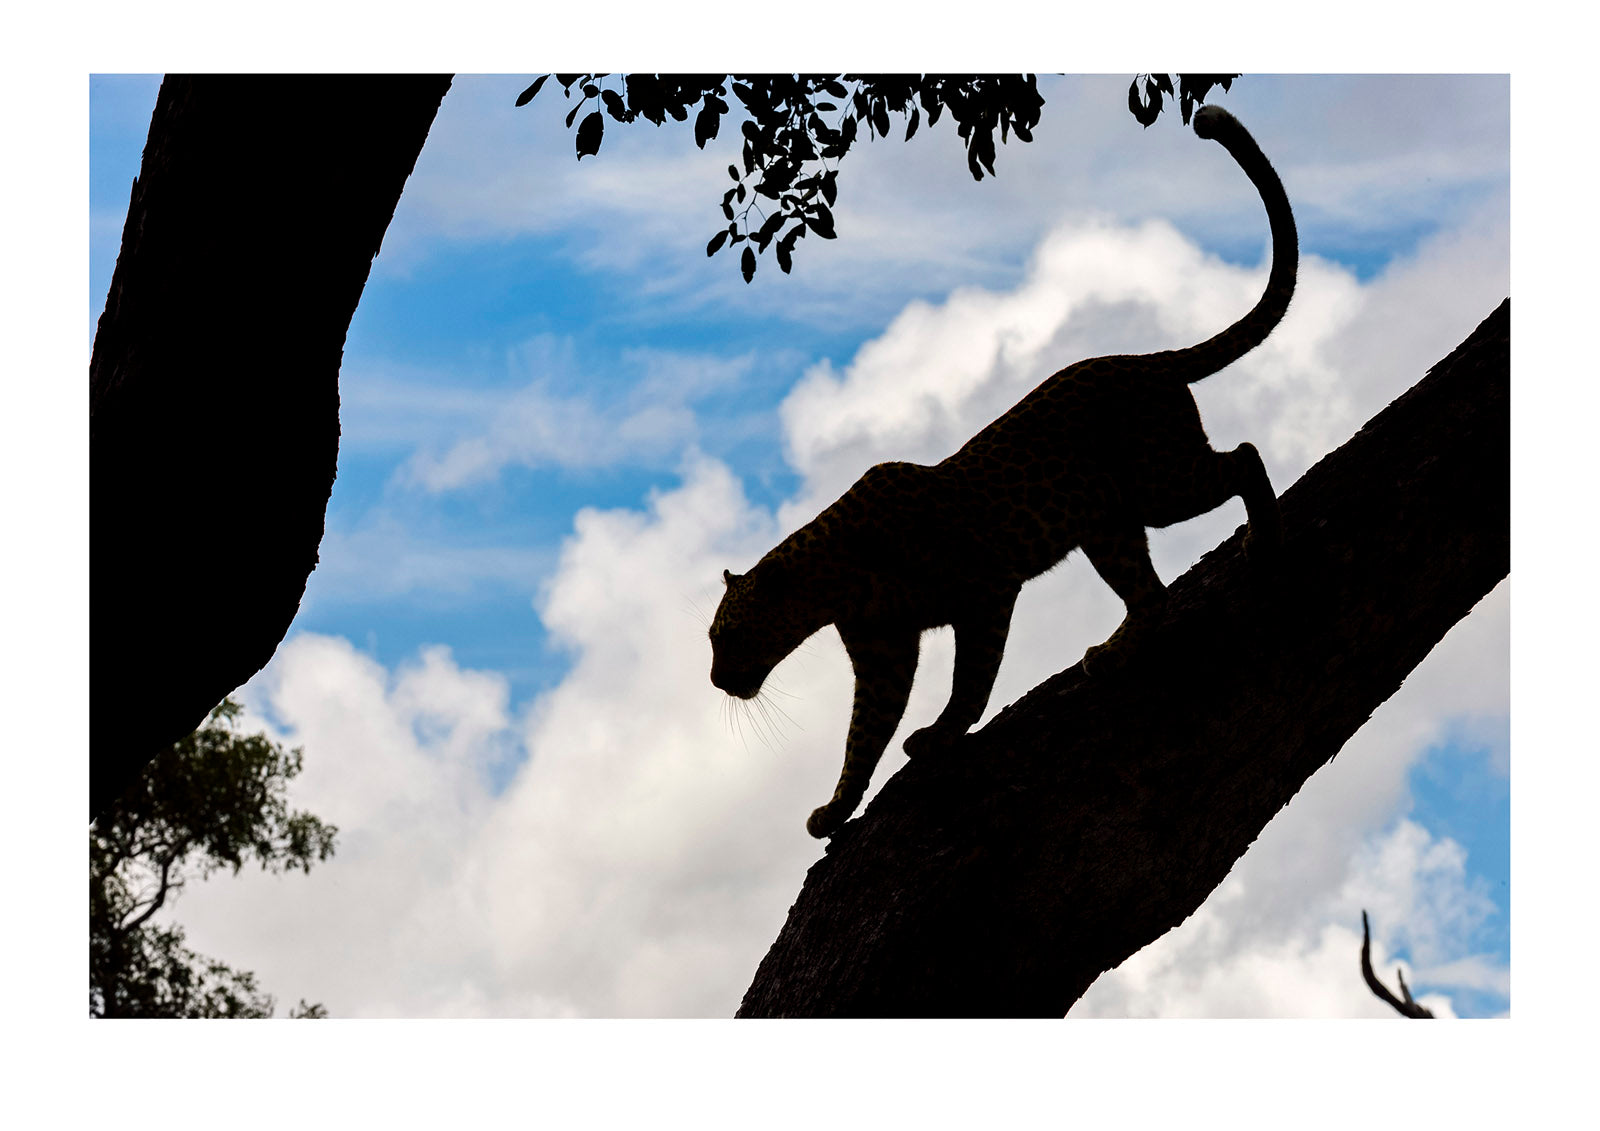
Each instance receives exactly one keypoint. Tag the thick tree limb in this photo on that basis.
(1094, 815)
(214, 394)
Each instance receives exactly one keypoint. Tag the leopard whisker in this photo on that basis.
(760, 724)
(769, 706)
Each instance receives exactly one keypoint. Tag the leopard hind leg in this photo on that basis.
(1121, 556)
(1210, 479)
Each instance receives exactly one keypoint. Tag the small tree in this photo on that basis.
(213, 799)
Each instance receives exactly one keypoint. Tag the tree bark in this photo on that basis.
(214, 396)
(1096, 814)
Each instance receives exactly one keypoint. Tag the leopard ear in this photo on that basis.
(728, 576)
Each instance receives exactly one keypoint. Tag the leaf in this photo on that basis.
(769, 229)
(880, 118)
(589, 90)
(1153, 94)
(613, 102)
(911, 127)
(573, 113)
(716, 243)
(830, 187)
(980, 152)
(747, 264)
(566, 81)
(589, 131)
(1144, 114)
(705, 126)
(527, 96)
(821, 222)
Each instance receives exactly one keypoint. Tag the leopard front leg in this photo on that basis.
(980, 644)
(885, 660)
(1122, 559)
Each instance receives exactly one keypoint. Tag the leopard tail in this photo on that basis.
(1204, 359)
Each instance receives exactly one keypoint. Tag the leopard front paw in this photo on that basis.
(930, 740)
(1103, 659)
(825, 821)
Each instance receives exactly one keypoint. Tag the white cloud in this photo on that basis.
(941, 372)
(642, 858)
(1241, 955)
(534, 424)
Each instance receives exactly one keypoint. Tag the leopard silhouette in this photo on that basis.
(1091, 457)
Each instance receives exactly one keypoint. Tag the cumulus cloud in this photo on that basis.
(1241, 955)
(639, 862)
(644, 853)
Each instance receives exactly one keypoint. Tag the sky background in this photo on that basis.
(561, 421)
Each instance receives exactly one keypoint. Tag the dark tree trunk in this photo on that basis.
(214, 395)
(1094, 815)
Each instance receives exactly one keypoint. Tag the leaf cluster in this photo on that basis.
(1192, 89)
(795, 131)
(214, 799)
(157, 976)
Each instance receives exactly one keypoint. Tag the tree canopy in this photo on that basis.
(214, 799)
(799, 127)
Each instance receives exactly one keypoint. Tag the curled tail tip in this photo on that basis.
(1210, 120)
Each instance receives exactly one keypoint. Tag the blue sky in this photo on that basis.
(561, 421)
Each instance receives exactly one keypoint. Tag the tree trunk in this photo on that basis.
(214, 396)
(1096, 814)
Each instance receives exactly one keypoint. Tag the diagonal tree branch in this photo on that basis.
(1406, 1008)
(1094, 815)
(214, 383)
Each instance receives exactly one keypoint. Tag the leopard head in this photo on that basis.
(762, 618)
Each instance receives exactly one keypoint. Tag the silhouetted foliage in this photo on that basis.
(800, 126)
(1192, 90)
(214, 799)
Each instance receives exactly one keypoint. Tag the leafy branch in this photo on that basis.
(798, 128)
(1192, 89)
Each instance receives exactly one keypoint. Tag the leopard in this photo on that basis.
(1089, 459)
